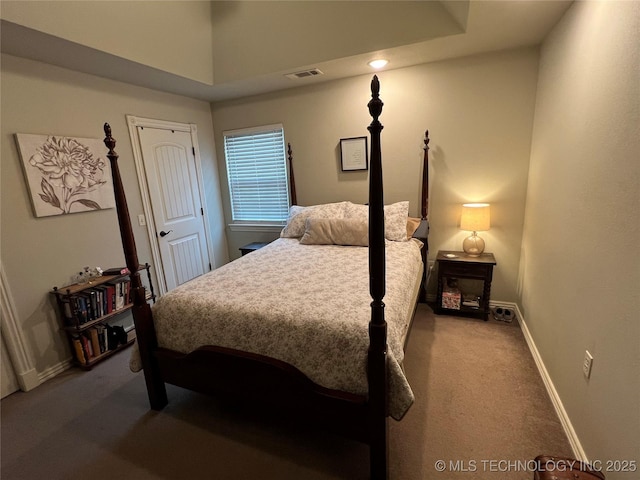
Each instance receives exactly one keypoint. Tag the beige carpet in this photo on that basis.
(480, 403)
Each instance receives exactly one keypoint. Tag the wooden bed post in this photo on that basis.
(292, 182)
(377, 356)
(425, 177)
(141, 309)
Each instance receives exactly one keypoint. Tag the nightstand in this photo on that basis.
(251, 247)
(464, 284)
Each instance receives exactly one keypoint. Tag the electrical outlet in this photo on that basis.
(141, 220)
(586, 364)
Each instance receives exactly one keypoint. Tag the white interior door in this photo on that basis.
(178, 216)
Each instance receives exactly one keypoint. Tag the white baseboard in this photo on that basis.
(55, 370)
(574, 441)
(28, 380)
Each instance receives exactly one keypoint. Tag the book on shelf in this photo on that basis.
(471, 301)
(95, 341)
(111, 297)
(68, 311)
(102, 338)
(79, 350)
(86, 308)
(121, 295)
(116, 271)
(115, 292)
(471, 304)
(86, 348)
(101, 296)
(81, 308)
(120, 301)
(95, 304)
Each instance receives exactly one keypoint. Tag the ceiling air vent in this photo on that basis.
(314, 72)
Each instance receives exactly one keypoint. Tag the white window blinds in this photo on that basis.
(257, 174)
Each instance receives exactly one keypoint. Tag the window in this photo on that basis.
(257, 174)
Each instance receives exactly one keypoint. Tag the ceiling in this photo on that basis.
(338, 38)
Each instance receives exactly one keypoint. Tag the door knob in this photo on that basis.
(164, 234)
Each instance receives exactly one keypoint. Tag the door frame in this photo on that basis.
(133, 122)
(19, 353)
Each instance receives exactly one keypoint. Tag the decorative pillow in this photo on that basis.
(412, 225)
(298, 215)
(395, 218)
(336, 231)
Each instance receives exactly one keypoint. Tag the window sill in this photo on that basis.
(255, 227)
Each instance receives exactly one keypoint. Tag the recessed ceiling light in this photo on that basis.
(378, 63)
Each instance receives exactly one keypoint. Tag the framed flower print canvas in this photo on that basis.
(65, 174)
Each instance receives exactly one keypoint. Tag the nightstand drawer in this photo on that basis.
(464, 270)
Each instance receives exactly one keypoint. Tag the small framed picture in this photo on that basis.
(353, 154)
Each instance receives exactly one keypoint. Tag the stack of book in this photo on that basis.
(90, 344)
(96, 302)
(471, 301)
(97, 340)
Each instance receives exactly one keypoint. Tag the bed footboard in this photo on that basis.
(268, 385)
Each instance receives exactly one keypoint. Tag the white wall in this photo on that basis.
(479, 111)
(39, 253)
(174, 36)
(288, 36)
(580, 263)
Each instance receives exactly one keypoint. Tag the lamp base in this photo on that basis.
(473, 245)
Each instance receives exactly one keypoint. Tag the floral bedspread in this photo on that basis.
(307, 305)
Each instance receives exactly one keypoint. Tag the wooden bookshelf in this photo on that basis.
(86, 309)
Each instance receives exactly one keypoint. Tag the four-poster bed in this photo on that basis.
(255, 362)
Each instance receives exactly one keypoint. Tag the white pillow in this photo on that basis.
(395, 218)
(298, 215)
(336, 231)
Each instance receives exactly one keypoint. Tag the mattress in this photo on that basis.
(306, 305)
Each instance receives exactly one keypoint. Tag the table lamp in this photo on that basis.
(475, 218)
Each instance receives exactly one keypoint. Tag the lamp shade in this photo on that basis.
(476, 217)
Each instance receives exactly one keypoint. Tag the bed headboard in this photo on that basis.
(424, 199)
